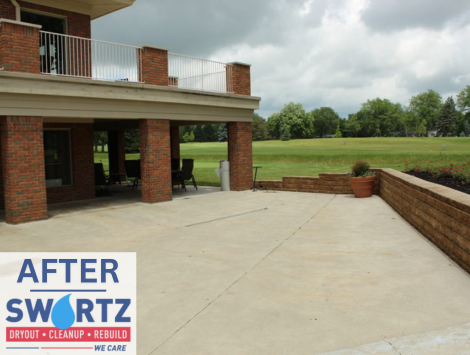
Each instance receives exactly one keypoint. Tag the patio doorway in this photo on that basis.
(52, 47)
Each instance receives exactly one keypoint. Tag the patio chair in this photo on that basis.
(175, 164)
(101, 180)
(133, 171)
(186, 174)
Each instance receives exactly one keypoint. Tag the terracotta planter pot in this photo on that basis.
(362, 186)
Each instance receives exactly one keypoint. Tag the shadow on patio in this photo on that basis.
(119, 195)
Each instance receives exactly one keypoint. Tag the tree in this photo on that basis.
(351, 126)
(100, 138)
(210, 132)
(466, 129)
(274, 125)
(424, 108)
(260, 128)
(199, 135)
(292, 121)
(421, 130)
(326, 120)
(338, 132)
(188, 137)
(379, 117)
(446, 122)
(463, 100)
(185, 129)
(222, 133)
(132, 141)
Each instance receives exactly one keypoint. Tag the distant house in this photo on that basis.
(58, 86)
(432, 133)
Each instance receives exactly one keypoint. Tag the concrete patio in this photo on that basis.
(270, 273)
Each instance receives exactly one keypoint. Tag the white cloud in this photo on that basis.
(336, 53)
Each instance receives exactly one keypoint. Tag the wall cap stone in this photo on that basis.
(154, 47)
(239, 63)
(19, 23)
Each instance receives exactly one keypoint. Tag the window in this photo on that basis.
(57, 158)
(48, 23)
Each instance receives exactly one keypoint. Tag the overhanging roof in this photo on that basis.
(94, 8)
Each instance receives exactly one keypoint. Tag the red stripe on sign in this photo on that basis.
(91, 334)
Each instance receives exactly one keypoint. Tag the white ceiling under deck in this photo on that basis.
(94, 8)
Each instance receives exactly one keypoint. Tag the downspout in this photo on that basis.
(18, 10)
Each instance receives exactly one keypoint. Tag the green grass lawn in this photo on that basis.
(313, 156)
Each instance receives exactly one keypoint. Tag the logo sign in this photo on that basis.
(67, 303)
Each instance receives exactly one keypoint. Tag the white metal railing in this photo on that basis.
(89, 58)
(199, 74)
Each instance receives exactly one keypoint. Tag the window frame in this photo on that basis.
(70, 155)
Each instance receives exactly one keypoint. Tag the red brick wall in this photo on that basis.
(155, 66)
(78, 24)
(19, 48)
(155, 155)
(239, 82)
(441, 214)
(325, 184)
(240, 155)
(23, 169)
(7, 10)
(83, 173)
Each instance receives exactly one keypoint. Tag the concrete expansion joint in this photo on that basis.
(394, 348)
(244, 274)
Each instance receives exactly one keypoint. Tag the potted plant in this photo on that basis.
(361, 179)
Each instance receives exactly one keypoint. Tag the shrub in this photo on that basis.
(361, 168)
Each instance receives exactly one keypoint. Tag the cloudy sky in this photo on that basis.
(336, 53)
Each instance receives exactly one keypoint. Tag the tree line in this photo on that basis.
(378, 117)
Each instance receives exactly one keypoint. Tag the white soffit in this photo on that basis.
(94, 8)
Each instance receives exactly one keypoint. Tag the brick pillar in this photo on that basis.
(239, 78)
(19, 47)
(175, 142)
(155, 65)
(24, 177)
(116, 152)
(83, 162)
(155, 164)
(240, 155)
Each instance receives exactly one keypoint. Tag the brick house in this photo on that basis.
(58, 86)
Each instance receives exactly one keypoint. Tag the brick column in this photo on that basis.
(240, 155)
(239, 78)
(116, 152)
(155, 65)
(24, 177)
(175, 142)
(155, 164)
(19, 47)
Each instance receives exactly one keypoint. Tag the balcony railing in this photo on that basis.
(93, 59)
(89, 58)
(199, 74)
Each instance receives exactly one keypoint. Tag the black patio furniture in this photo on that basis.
(133, 171)
(186, 174)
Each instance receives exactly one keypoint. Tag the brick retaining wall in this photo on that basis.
(324, 184)
(439, 213)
